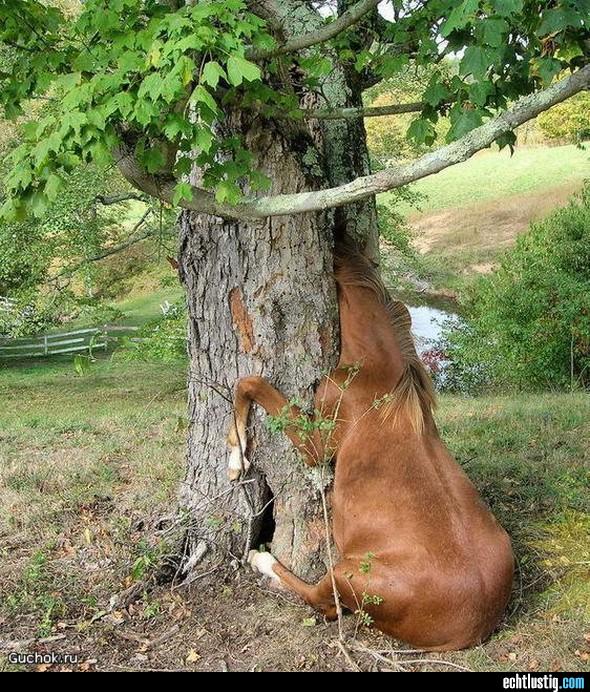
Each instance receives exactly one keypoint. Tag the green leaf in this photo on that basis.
(479, 92)
(228, 192)
(130, 61)
(556, 20)
(475, 62)
(547, 68)
(74, 120)
(175, 125)
(203, 139)
(182, 191)
(435, 93)
(508, 139)
(97, 119)
(202, 95)
(494, 31)
(212, 73)
(145, 111)
(240, 69)
(505, 8)
(422, 131)
(463, 121)
(53, 185)
(460, 16)
(124, 103)
(153, 160)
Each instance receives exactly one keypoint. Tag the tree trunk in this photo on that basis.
(262, 301)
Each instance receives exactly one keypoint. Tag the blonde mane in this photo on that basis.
(414, 394)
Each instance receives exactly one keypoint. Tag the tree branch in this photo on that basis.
(131, 240)
(321, 35)
(481, 137)
(354, 113)
(121, 197)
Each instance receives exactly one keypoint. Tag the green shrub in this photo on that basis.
(162, 339)
(569, 120)
(528, 322)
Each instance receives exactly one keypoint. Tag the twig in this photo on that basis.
(132, 637)
(163, 637)
(354, 666)
(379, 657)
(24, 643)
(438, 661)
(131, 669)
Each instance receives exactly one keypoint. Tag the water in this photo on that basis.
(427, 325)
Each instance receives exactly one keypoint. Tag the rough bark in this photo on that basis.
(261, 300)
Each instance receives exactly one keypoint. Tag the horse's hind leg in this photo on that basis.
(320, 596)
(257, 389)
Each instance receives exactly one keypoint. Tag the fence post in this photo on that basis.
(46, 346)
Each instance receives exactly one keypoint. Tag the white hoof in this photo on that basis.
(238, 464)
(263, 563)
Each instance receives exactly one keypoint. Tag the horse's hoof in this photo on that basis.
(238, 464)
(263, 563)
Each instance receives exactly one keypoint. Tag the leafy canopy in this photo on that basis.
(161, 76)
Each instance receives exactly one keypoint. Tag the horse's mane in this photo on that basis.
(414, 394)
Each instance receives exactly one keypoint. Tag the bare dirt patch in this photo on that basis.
(493, 224)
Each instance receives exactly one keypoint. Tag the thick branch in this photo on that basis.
(523, 110)
(321, 35)
(354, 113)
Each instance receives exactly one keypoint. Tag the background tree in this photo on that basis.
(569, 121)
(528, 324)
(248, 115)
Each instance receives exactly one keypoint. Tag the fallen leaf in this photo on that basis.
(192, 656)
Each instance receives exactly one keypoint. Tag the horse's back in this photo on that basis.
(441, 560)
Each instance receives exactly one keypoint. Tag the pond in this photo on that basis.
(427, 324)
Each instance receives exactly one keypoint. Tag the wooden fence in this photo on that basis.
(78, 341)
(7, 304)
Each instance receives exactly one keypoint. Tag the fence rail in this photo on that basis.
(78, 341)
(7, 304)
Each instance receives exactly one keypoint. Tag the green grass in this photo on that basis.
(529, 456)
(140, 308)
(82, 460)
(86, 460)
(473, 212)
(496, 174)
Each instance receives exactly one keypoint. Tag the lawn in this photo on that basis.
(471, 213)
(494, 174)
(145, 305)
(90, 465)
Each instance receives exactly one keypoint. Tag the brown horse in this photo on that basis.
(420, 553)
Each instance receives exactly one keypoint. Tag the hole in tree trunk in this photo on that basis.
(267, 526)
